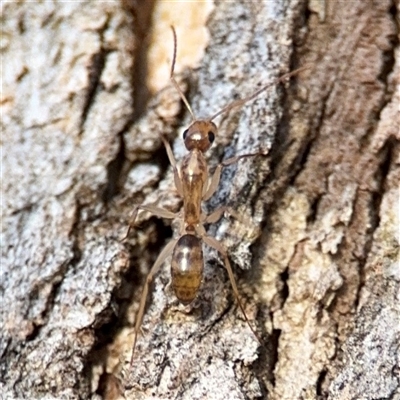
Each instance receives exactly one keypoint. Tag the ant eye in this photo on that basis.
(185, 134)
(211, 136)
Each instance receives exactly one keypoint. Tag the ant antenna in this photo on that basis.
(173, 80)
(240, 102)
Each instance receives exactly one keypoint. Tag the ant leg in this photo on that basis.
(214, 182)
(154, 210)
(212, 242)
(218, 213)
(177, 178)
(154, 269)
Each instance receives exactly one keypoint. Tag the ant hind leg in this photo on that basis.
(212, 242)
(154, 269)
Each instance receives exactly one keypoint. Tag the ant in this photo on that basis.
(194, 185)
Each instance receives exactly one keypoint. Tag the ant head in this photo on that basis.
(200, 135)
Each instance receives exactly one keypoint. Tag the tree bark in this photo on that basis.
(317, 264)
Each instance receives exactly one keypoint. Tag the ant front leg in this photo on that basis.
(214, 182)
(218, 213)
(177, 178)
(154, 210)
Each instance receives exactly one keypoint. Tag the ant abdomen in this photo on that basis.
(187, 268)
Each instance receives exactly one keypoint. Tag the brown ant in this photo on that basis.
(194, 186)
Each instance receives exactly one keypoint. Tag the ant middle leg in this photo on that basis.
(153, 210)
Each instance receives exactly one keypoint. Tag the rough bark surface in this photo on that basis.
(317, 265)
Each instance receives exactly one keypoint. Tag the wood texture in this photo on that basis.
(317, 265)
